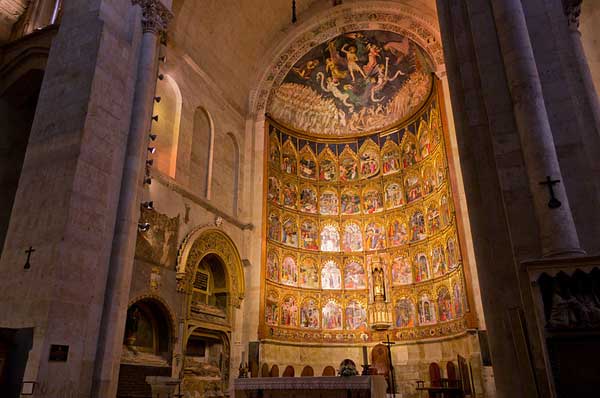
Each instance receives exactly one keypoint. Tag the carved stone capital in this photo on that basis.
(155, 16)
(572, 9)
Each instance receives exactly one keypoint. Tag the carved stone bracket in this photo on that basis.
(155, 16)
(572, 9)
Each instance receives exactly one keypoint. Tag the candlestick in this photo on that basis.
(365, 355)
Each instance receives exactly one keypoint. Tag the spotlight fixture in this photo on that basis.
(162, 59)
(157, 99)
(149, 162)
(153, 136)
(161, 76)
(151, 149)
(155, 118)
(148, 205)
(147, 180)
(143, 227)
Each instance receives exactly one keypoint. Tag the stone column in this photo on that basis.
(572, 9)
(558, 235)
(155, 17)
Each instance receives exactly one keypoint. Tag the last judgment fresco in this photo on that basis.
(355, 83)
(354, 222)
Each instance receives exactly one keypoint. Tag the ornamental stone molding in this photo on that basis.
(395, 17)
(572, 10)
(155, 16)
(201, 242)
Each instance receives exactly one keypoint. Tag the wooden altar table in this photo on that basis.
(311, 387)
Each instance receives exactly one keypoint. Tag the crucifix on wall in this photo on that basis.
(553, 203)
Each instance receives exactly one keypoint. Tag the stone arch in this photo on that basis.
(202, 152)
(163, 321)
(165, 307)
(31, 58)
(167, 127)
(201, 242)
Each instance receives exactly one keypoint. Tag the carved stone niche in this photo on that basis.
(158, 245)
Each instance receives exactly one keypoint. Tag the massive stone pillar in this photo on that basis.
(155, 17)
(558, 235)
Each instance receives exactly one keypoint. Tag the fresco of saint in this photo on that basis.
(350, 202)
(401, 271)
(372, 201)
(390, 161)
(405, 313)
(410, 155)
(354, 276)
(426, 311)
(438, 261)
(330, 239)
(413, 188)
(289, 312)
(272, 267)
(290, 195)
(328, 203)
(274, 231)
(308, 200)
(309, 273)
(308, 235)
(289, 162)
(374, 236)
(309, 314)
(308, 166)
(289, 273)
(397, 233)
(429, 180)
(369, 164)
(348, 168)
(271, 313)
(433, 220)
(290, 233)
(332, 316)
(356, 316)
(444, 305)
(331, 277)
(444, 211)
(352, 240)
(424, 141)
(274, 190)
(417, 227)
(452, 252)
(394, 197)
(457, 301)
(421, 268)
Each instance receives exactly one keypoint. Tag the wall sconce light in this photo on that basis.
(162, 59)
(151, 149)
(143, 227)
(148, 205)
(153, 136)
(157, 99)
(161, 76)
(147, 181)
(149, 162)
(155, 118)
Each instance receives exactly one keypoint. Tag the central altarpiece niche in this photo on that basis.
(360, 229)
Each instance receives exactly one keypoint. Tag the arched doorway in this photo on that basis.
(17, 109)
(147, 347)
(210, 274)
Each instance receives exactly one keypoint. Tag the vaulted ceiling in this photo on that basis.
(10, 11)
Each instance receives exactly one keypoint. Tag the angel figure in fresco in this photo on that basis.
(332, 87)
(305, 70)
(335, 62)
(400, 49)
(352, 59)
(374, 52)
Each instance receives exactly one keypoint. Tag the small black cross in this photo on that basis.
(553, 203)
(28, 251)
(389, 345)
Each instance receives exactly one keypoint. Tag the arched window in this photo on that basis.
(167, 127)
(235, 164)
(201, 160)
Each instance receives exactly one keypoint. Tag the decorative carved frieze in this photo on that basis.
(155, 16)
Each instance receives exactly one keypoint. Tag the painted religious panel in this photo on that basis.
(348, 165)
(426, 310)
(289, 312)
(273, 266)
(328, 202)
(352, 240)
(424, 136)
(457, 300)
(289, 271)
(272, 309)
(274, 228)
(421, 267)
(330, 238)
(274, 152)
(369, 159)
(452, 252)
(444, 211)
(390, 158)
(309, 314)
(289, 160)
(417, 226)
(354, 276)
(372, 200)
(308, 164)
(289, 232)
(332, 315)
(328, 167)
(356, 316)
(308, 199)
(289, 194)
(274, 190)
(410, 154)
(356, 82)
(429, 179)
(433, 219)
(309, 273)
(350, 202)
(374, 236)
(401, 271)
(444, 305)
(309, 235)
(440, 170)
(405, 313)
(394, 195)
(331, 277)
(438, 260)
(412, 184)
(397, 232)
